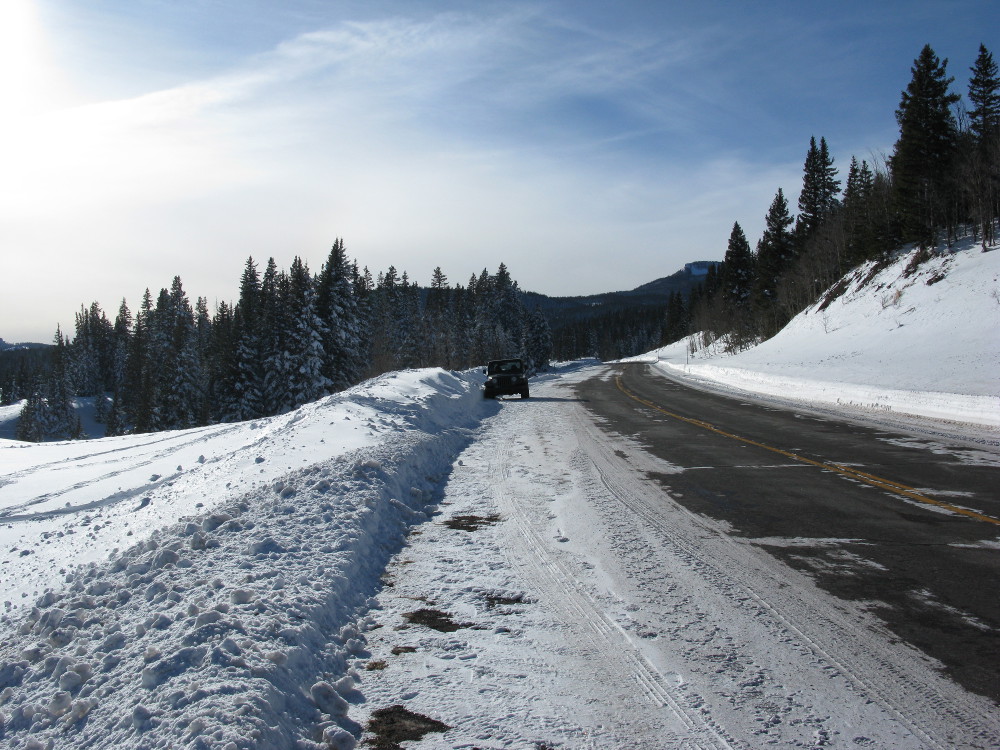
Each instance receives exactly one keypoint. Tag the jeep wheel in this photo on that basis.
(524, 393)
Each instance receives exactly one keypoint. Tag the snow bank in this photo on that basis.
(922, 342)
(236, 625)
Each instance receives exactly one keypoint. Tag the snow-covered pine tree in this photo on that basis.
(102, 408)
(222, 375)
(439, 319)
(338, 308)
(384, 334)
(305, 338)
(500, 316)
(89, 356)
(274, 331)
(32, 422)
(409, 326)
(138, 394)
(245, 350)
(122, 337)
(538, 345)
(182, 378)
(60, 413)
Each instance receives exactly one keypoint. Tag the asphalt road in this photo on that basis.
(908, 527)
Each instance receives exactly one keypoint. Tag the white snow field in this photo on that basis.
(273, 584)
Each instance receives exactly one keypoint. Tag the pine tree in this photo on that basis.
(114, 424)
(245, 349)
(859, 227)
(363, 289)
(139, 390)
(304, 338)
(60, 413)
(181, 376)
(339, 311)
(675, 325)
(820, 187)
(923, 156)
(737, 286)
(775, 254)
(31, 424)
(984, 94)
(122, 337)
(501, 315)
(983, 154)
(410, 326)
(383, 322)
(273, 327)
(222, 366)
(538, 346)
(440, 321)
(102, 408)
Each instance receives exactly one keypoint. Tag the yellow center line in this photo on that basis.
(869, 479)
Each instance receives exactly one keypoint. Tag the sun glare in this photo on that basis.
(26, 80)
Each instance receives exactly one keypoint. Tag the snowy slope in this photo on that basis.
(925, 343)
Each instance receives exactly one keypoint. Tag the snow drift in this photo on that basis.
(249, 553)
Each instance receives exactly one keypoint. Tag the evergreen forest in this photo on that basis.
(294, 336)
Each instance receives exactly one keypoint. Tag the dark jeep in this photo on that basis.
(505, 377)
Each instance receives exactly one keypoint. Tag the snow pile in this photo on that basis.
(239, 624)
(922, 341)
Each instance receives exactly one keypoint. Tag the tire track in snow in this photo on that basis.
(610, 647)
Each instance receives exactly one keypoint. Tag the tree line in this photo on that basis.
(942, 181)
(291, 338)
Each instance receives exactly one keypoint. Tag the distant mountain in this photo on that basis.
(562, 309)
(5, 347)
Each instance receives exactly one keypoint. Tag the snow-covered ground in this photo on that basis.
(913, 344)
(500, 567)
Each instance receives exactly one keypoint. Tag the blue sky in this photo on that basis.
(589, 146)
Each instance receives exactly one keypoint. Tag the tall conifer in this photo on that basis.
(923, 156)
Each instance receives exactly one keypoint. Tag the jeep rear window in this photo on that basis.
(513, 366)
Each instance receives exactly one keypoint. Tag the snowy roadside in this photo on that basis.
(561, 599)
(234, 619)
(895, 345)
(413, 552)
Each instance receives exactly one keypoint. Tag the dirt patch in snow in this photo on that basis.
(396, 724)
(434, 619)
(471, 523)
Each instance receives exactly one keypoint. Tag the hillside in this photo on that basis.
(922, 341)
